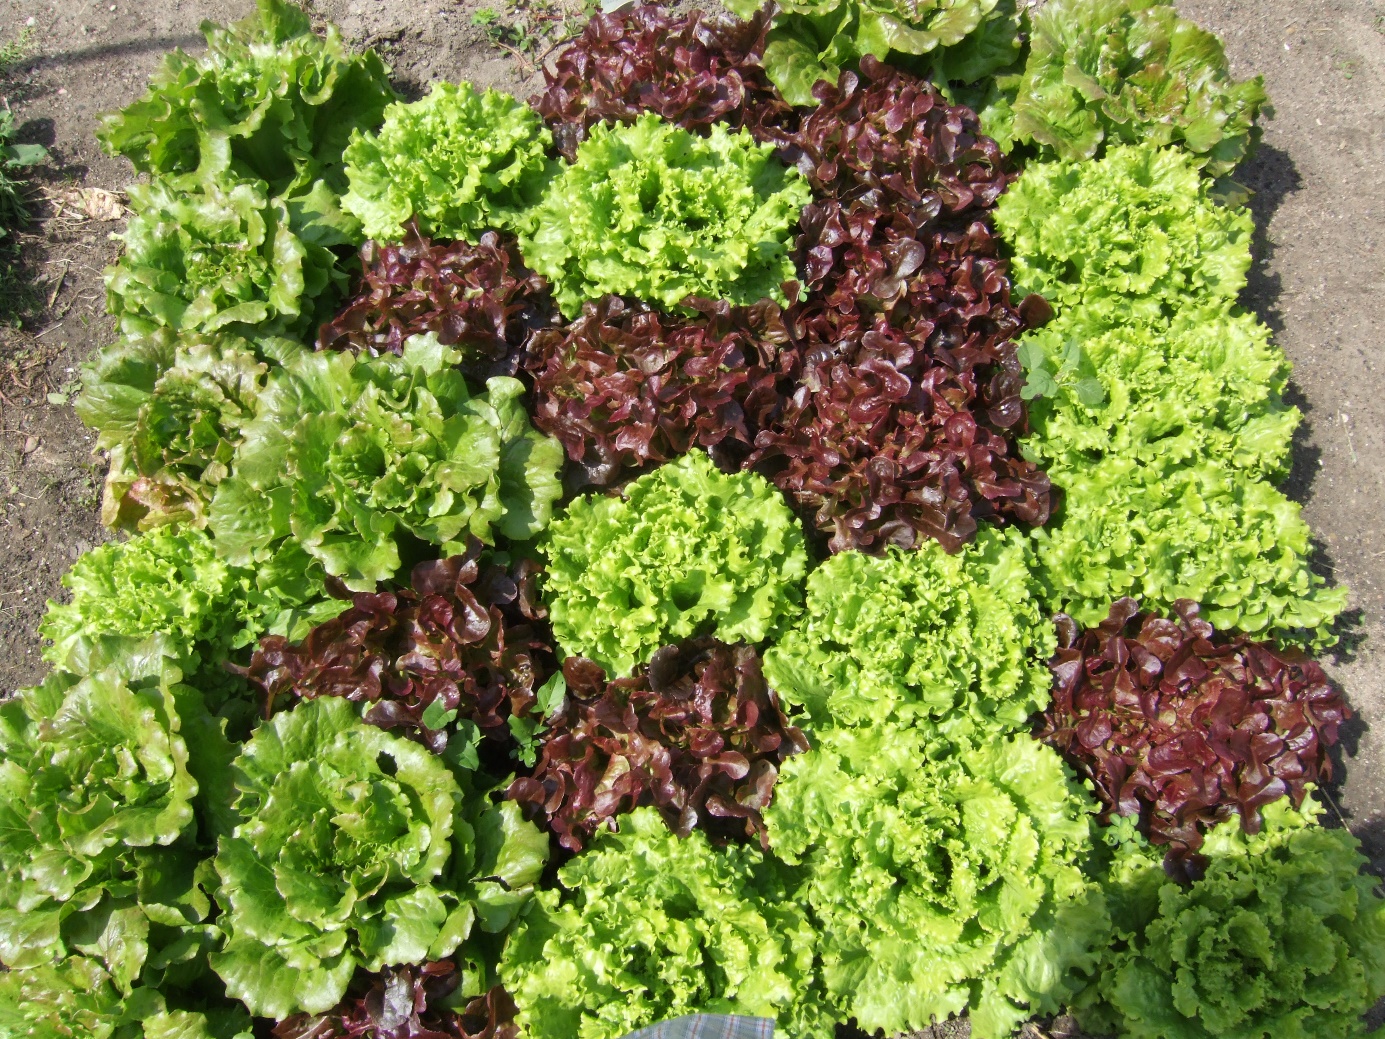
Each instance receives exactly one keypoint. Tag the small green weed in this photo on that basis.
(528, 29)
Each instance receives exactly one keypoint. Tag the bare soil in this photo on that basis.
(1318, 178)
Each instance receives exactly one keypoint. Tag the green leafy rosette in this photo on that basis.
(652, 211)
(459, 162)
(652, 926)
(268, 101)
(685, 550)
(944, 877)
(230, 257)
(956, 642)
(1283, 935)
(356, 848)
(349, 457)
(1131, 72)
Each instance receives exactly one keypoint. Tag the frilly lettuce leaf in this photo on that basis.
(349, 456)
(686, 550)
(648, 926)
(655, 212)
(458, 162)
(1129, 72)
(943, 876)
(956, 642)
(269, 100)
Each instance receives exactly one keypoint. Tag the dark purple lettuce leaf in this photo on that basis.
(693, 70)
(407, 1002)
(1185, 728)
(624, 385)
(697, 734)
(466, 637)
(480, 298)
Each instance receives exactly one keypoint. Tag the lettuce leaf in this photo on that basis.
(458, 162)
(348, 457)
(943, 876)
(357, 848)
(1129, 71)
(655, 212)
(685, 550)
(269, 100)
(1283, 936)
(956, 642)
(648, 926)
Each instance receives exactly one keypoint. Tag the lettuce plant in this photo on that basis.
(1182, 727)
(685, 550)
(814, 40)
(1206, 384)
(457, 162)
(654, 212)
(229, 257)
(697, 734)
(1283, 936)
(1134, 234)
(1133, 72)
(943, 876)
(408, 1002)
(954, 642)
(647, 926)
(350, 456)
(269, 100)
(357, 848)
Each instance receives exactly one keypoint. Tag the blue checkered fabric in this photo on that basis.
(708, 1026)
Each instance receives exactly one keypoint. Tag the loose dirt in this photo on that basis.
(1319, 183)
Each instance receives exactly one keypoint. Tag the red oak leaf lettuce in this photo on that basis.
(697, 734)
(1185, 728)
(408, 1002)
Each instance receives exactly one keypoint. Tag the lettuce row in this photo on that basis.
(954, 643)
(356, 848)
(685, 550)
(458, 162)
(655, 212)
(354, 458)
(647, 926)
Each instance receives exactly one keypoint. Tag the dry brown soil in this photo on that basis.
(1319, 180)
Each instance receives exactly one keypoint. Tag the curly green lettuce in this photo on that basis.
(1283, 936)
(269, 100)
(230, 257)
(1136, 234)
(459, 162)
(357, 848)
(958, 642)
(944, 877)
(685, 550)
(648, 926)
(350, 457)
(1207, 384)
(655, 212)
(813, 40)
(1130, 72)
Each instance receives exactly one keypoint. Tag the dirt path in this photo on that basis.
(1319, 178)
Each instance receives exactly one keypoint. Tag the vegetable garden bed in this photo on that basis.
(783, 524)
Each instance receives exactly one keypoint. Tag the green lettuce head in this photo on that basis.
(1130, 72)
(348, 457)
(685, 550)
(1134, 235)
(958, 642)
(655, 212)
(269, 100)
(459, 161)
(812, 40)
(652, 926)
(357, 849)
(1283, 936)
(943, 877)
(229, 258)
